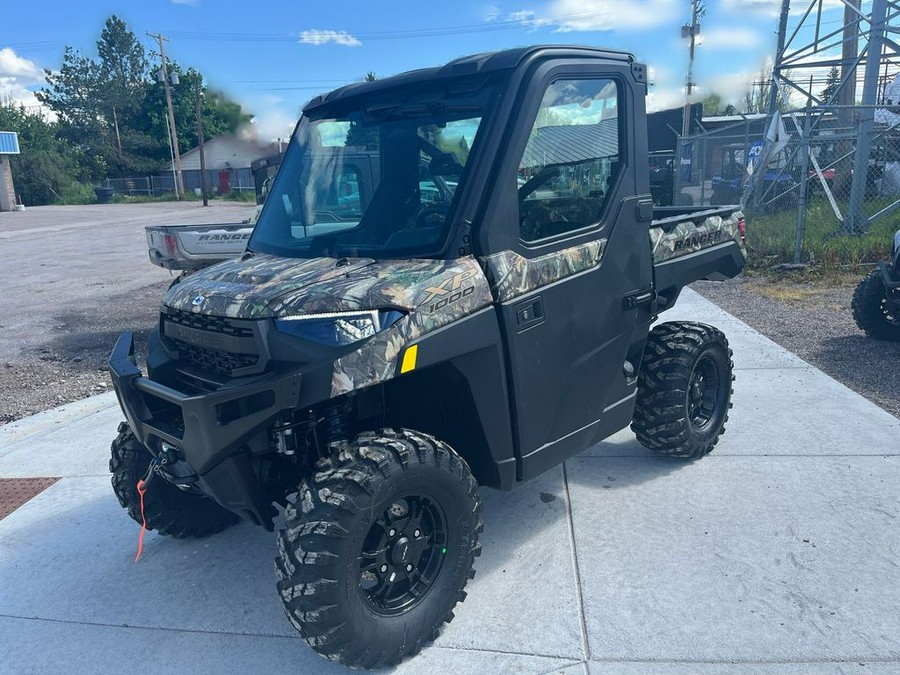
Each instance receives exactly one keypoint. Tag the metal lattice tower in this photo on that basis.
(862, 46)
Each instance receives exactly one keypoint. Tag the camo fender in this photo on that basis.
(453, 292)
(511, 275)
(689, 237)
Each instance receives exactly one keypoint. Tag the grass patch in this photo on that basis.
(771, 238)
(248, 196)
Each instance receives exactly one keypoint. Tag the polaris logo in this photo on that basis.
(698, 240)
(224, 237)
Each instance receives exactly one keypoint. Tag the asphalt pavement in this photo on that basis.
(67, 269)
(778, 553)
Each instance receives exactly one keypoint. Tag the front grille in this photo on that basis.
(215, 324)
(214, 360)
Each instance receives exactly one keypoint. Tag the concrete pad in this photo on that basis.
(779, 559)
(68, 555)
(39, 646)
(751, 349)
(81, 569)
(744, 668)
(793, 411)
(50, 419)
(74, 447)
(525, 571)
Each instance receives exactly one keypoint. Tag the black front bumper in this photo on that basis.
(210, 430)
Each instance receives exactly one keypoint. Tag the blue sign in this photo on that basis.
(9, 143)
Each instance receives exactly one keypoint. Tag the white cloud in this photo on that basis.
(601, 15)
(731, 38)
(13, 65)
(321, 37)
(18, 76)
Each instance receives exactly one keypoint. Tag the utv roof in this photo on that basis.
(469, 65)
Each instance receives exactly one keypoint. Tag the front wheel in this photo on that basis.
(684, 389)
(872, 311)
(167, 509)
(378, 546)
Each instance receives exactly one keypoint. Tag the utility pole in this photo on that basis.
(197, 86)
(691, 30)
(779, 55)
(179, 178)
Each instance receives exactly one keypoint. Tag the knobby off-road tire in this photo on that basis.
(383, 488)
(168, 510)
(871, 311)
(684, 390)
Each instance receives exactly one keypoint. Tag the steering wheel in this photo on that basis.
(431, 215)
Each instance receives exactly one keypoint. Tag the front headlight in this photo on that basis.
(338, 328)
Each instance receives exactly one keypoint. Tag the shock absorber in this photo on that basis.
(336, 425)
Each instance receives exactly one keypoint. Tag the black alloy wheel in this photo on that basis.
(705, 393)
(377, 547)
(402, 555)
(684, 389)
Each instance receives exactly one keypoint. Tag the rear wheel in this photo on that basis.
(167, 509)
(872, 311)
(684, 389)
(378, 546)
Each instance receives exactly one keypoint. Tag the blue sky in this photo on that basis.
(273, 56)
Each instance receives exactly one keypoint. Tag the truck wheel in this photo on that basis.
(167, 509)
(871, 310)
(684, 390)
(378, 546)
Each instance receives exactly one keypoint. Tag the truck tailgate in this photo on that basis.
(192, 247)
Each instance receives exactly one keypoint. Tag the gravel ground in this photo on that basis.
(73, 279)
(69, 363)
(814, 321)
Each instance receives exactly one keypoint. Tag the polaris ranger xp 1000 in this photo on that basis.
(472, 311)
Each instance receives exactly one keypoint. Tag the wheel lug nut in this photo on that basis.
(416, 533)
(392, 532)
(384, 568)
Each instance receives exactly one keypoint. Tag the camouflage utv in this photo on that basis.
(474, 314)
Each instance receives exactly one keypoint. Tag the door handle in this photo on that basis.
(529, 314)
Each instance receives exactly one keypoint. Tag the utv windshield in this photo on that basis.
(374, 176)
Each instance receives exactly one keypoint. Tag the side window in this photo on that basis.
(570, 162)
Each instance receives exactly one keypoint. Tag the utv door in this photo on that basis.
(579, 247)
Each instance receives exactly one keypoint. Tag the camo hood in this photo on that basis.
(267, 286)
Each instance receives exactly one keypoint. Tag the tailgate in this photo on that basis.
(194, 246)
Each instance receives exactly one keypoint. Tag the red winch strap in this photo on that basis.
(141, 488)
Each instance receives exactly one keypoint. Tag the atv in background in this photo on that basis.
(876, 301)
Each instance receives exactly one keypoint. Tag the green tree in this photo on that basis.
(48, 167)
(114, 111)
(831, 84)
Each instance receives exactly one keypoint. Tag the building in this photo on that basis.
(228, 160)
(9, 145)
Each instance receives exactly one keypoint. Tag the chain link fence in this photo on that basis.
(791, 172)
(150, 186)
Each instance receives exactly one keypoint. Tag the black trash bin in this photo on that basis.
(104, 194)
